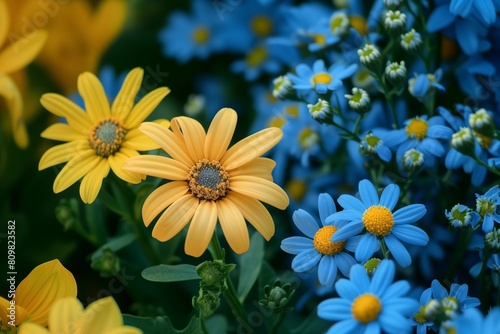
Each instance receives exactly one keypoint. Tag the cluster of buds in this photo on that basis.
(277, 297)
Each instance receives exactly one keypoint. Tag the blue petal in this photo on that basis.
(352, 243)
(303, 71)
(383, 152)
(397, 289)
(350, 202)
(393, 322)
(305, 222)
(461, 7)
(359, 277)
(334, 309)
(390, 196)
(403, 305)
(421, 85)
(372, 327)
(368, 245)
(305, 260)
(467, 37)
(410, 234)
(432, 146)
(347, 289)
(440, 18)
(327, 271)
(383, 277)
(326, 206)
(438, 291)
(486, 11)
(319, 66)
(353, 228)
(344, 262)
(296, 244)
(368, 193)
(346, 327)
(398, 251)
(488, 223)
(409, 214)
(439, 131)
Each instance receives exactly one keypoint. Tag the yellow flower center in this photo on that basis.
(378, 220)
(308, 138)
(319, 39)
(321, 78)
(208, 180)
(297, 189)
(420, 317)
(359, 24)
(292, 110)
(276, 121)
(107, 136)
(417, 128)
(256, 56)
(483, 140)
(324, 245)
(366, 308)
(262, 26)
(201, 35)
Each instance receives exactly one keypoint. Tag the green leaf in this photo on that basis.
(114, 244)
(249, 265)
(216, 324)
(170, 273)
(160, 325)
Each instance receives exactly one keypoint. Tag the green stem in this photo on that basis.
(277, 323)
(203, 327)
(385, 251)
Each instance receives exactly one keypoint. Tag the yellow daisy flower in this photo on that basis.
(67, 316)
(210, 182)
(101, 138)
(16, 53)
(36, 294)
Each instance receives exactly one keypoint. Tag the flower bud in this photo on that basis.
(359, 101)
(412, 160)
(370, 57)
(321, 111)
(277, 297)
(107, 263)
(396, 73)
(411, 41)
(463, 141)
(482, 123)
(492, 240)
(282, 87)
(371, 265)
(462, 216)
(395, 22)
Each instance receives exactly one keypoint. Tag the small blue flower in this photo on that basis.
(462, 216)
(473, 321)
(316, 248)
(375, 218)
(420, 319)
(455, 300)
(369, 305)
(486, 206)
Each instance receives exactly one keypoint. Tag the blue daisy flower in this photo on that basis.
(420, 319)
(316, 248)
(473, 321)
(454, 301)
(486, 206)
(375, 218)
(369, 305)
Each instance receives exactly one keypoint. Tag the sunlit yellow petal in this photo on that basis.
(22, 52)
(168, 142)
(139, 141)
(233, 225)
(263, 190)
(61, 132)
(117, 160)
(255, 213)
(260, 167)
(145, 107)
(61, 153)
(45, 284)
(173, 220)
(4, 22)
(201, 228)
(64, 314)
(157, 166)
(162, 197)
(60, 106)
(124, 101)
(14, 101)
(92, 92)
(107, 22)
(251, 147)
(7, 309)
(101, 316)
(193, 134)
(29, 328)
(79, 165)
(220, 133)
(92, 182)
(124, 330)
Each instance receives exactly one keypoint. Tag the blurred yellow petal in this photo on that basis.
(22, 52)
(79, 165)
(201, 228)
(7, 309)
(61, 106)
(61, 153)
(124, 330)
(116, 162)
(233, 225)
(4, 22)
(30, 328)
(193, 134)
(100, 316)
(145, 107)
(263, 190)
(92, 182)
(260, 167)
(124, 101)
(92, 92)
(44, 285)
(251, 147)
(139, 141)
(157, 166)
(14, 101)
(107, 22)
(64, 314)
(162, 197)
(61, 132)
(173, 220)
(220, 133)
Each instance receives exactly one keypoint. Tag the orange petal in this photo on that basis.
(92, 182)
(124, 101)
(261, 189)
(6, 309)
(173, 220)
(233, 225)
(157, 166)
(162, 197)
(193, 135)
(4, 22)
(220, 133)
(92, 92)
(260, 167)
(201, 229)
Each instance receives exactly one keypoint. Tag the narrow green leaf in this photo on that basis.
(170, 273)
(249, 265)
(115, 244)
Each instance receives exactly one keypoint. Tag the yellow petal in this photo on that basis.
(145, 107)
(107, 22)
(193, 135)
(92, 92)
(139, 141)
(6, 309)
(4, 21)
(124, 101)
(168, 142)
(201, 229)
(220, 133)
(64, 314)
(157, 166)
(44, 285)
(160, 198)
(79, 165)
(233, 225)
(100, 316)
(14, 100)
(260, 167)
(92, 182)
(117, 161)
(258, 188)
(125, 330)
(255, 213)
(173, 220)
(251, 147)
(30, 328)
(22, 52)
(61, 153)
(61, 106)
(61, 132)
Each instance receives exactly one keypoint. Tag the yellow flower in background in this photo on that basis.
(210, 182)
(15, 54)
(36, 294)
(100, 138)
(67, 316)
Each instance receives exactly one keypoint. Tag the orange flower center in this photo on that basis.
(256, 56)
(208, 180)
(366, 308)
(378, 220)
(262, 26)
(321, 78)
(201, 35)
(324, 245)
(417, 128)
(107, 137)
